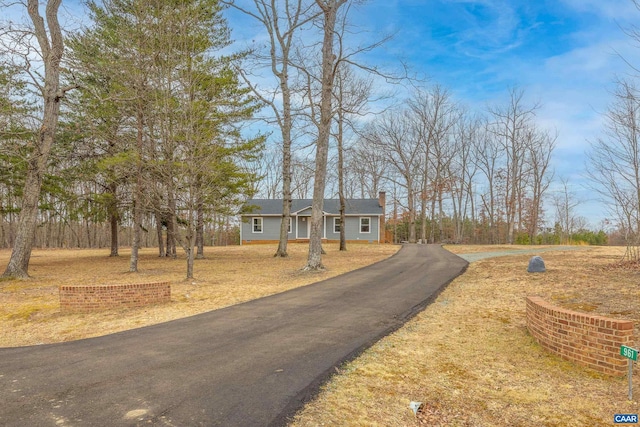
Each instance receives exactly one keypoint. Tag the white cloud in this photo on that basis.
(619, 10)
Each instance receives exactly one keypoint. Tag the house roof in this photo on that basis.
(330, 206)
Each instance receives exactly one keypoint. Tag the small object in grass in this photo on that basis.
(415, 407)
(536, 265)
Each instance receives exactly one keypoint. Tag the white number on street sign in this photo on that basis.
(629, 353)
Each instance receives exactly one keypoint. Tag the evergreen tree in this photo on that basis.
(161, 100)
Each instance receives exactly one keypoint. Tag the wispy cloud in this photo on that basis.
(621, 10)
(485, 28)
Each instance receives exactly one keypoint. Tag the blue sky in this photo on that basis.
(564, 54)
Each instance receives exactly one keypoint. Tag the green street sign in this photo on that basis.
(629, 353)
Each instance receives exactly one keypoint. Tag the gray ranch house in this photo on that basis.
(364, 220)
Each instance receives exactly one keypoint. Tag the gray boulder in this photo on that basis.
(536, 265)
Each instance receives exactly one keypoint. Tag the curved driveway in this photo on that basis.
(253, 364)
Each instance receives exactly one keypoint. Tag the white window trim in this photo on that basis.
(367, 218)
(253, 225)
(335, 219)
(290, 226)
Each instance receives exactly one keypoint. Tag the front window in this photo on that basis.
(365, 225)
(289, 226)
(257, 225)
(337, 225)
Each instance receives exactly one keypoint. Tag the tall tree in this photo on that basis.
(96, 113)
(394, 135)
(367, 167)
(123, 38)
(433, 115)
(330, 9)
(282, 20)
(351, 96)
(487, 158)
(50, 46)
(565, 202)
(465, 133)
(511, 126)
(15, 134)
(540, 151)
(614, 163)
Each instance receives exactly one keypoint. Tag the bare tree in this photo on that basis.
(330, 10)
(434, 115)
(351, 95)
(540, 151)
(393, 134)
(511, 124)
(50, 47)
(565, 202)
(302, 173)
(466, 131)
(487, 156)
(268, 168)
(282, 20)
(614, 163)
(367, 168)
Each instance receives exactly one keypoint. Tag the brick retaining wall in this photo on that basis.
(589, 340)
(87, 298)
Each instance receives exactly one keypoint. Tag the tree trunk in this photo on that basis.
(113, 220)
(159, 225)
(423, 198)
(281, 24)
(137, 201)
(172, 227)
(411, 207)
(343, 239)
(21, 253)
(286, 167)
(200, 231)
(330, 10)
(3, 233)
(432, 229)
(51, 48)
(189, 252)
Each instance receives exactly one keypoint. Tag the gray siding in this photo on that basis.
(270, 229)
(352, 228)
(303, 226)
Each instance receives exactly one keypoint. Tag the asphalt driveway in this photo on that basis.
(253, 364)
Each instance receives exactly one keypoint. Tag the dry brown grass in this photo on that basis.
(468, 356)
(30, 309)
(470, 359)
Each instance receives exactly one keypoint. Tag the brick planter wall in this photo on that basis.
(87, 298)
(592, 341)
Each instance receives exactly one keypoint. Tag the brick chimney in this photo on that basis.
(382, 201)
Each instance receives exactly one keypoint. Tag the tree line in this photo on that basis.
(141, 121)
(146, 114)
(450, 174)
(147, 127)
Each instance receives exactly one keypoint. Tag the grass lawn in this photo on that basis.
(30, 309)
(469, 358)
